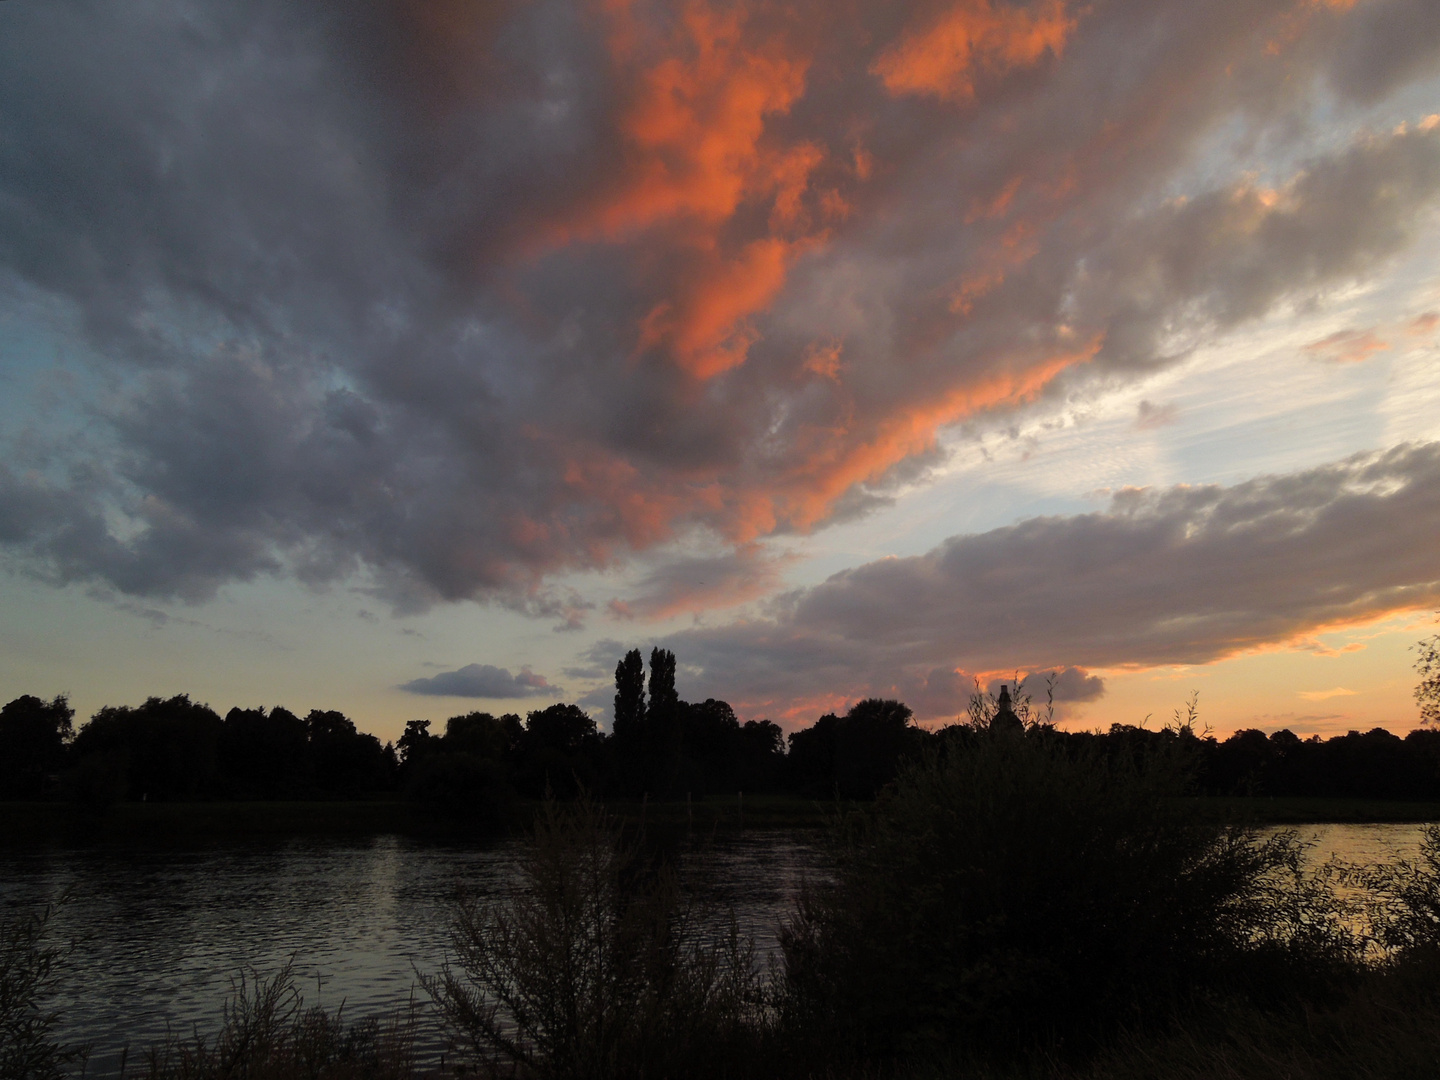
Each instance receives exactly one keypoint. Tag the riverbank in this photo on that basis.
(23, 823)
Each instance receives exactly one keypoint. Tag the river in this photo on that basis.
(159, 934)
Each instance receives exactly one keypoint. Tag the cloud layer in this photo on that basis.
(1183, 575)
(482, 681)
(458, 296)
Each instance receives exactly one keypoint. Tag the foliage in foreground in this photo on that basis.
(1013, 891)
(29, 1049)
(268, 1034)
(1009, 911)
(596, 965)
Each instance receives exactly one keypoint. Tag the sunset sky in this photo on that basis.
(409, 357)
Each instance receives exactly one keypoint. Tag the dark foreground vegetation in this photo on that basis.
(662, 748)
(1015, 903)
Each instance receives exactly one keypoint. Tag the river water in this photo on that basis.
(159, 934)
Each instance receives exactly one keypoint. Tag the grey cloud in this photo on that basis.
(482, 681)
(697, 584)
(1183, 575)
(314, 248)
(1389, 44)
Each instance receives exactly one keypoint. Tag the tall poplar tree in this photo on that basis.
(663, 698)
(629, 696)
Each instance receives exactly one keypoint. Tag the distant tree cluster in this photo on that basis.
(177, 750)
(661, 747)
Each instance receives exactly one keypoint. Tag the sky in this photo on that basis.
(412, 357)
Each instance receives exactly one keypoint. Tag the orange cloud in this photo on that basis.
(972, 287)
(696, 119)
(808, 499)
(822, 358)
(1348, 346)
(1424, 324)
(704, 325)
(943, 59)
(1017, 246)
(997, 206)
(698, 155)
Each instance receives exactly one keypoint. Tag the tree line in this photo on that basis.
(660, 747)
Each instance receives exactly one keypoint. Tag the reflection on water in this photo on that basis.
(1362, 845)
(160, 934)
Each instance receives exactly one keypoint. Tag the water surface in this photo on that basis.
(159, 934)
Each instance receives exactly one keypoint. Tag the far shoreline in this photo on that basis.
(27, 824)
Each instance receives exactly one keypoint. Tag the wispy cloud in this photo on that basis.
(1348, 346)
(1326, 695)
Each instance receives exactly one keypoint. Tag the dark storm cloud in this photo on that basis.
(482, 681)
(1183, 575)
(455, 296)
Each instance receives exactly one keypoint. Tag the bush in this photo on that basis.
(28, 1047)
(269, 1034)
(1405, 904)
(595, 966)
(1010, 891)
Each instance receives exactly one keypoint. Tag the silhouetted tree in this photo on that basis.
(853, 756)
(663, 697)
(562, 747)
(810, 764)
(264, 755)
(33, 737)
(164, 749)
(497, 739)
(761, 755)
(629, 696)
(416, 742)
(347, 762)
(709, 741)
(875, 737)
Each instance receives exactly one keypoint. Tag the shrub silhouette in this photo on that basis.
(268, 1034)
(1011, 890)
(29, 1049)
(1404, 900)
(595, 966)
